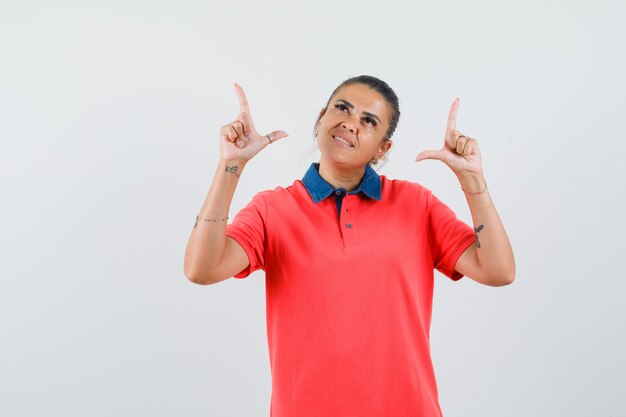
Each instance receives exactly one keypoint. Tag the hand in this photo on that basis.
(459, 152)
(239, 139)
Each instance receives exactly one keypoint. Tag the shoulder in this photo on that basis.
(403, 189)
(280, 194)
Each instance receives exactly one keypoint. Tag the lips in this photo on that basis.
(343, 140)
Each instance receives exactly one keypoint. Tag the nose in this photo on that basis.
(349, 125)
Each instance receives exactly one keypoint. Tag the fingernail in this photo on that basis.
(240, 143)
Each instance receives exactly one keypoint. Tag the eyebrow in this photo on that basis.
(351, 106)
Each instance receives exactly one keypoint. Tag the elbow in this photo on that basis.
(498, 278)
(197, 273)
(511, 278)
(506, 278)
(510, 274)
(197, 277)
(504, 281)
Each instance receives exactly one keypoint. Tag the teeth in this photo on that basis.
(342, 140)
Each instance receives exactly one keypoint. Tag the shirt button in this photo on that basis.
(349, 225)
(337, 192)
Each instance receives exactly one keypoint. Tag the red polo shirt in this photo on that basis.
(349, 297)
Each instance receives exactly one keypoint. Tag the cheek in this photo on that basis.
(329, 121)
(336, 114)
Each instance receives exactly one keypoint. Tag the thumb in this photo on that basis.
(429, 155)
(278, 134)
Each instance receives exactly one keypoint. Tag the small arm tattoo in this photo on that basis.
(233, 170)
(477, 230)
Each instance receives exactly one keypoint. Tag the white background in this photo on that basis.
(109, 120)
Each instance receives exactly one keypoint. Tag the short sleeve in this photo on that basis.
(248, 229)
(448, 237)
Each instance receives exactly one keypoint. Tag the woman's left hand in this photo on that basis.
(459, 152)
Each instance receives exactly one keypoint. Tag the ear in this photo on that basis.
(384, 148)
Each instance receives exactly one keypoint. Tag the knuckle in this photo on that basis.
(227, 131)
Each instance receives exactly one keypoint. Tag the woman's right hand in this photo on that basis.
(239, 139)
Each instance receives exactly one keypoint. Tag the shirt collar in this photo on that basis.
(319, 188)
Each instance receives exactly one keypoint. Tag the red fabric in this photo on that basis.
(349, 309)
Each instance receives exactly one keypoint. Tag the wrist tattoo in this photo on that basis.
(476, 231)
(233, 170)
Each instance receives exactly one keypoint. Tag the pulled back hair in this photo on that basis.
(383, 89)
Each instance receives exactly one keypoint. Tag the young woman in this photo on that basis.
(349, 257)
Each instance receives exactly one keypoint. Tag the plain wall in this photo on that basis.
(109, 120)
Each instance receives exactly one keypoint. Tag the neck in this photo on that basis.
(347, 178)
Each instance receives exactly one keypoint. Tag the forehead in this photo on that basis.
(364, 99)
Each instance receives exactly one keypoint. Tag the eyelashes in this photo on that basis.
(343, 107)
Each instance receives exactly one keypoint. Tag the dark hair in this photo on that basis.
(379, 86)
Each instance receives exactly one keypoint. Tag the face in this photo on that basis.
(352, 129)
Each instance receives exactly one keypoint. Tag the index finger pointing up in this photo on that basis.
(452, 116)
(243, 101)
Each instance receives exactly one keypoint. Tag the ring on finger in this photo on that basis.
(269, 136)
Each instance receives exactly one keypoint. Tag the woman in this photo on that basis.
(349, 257)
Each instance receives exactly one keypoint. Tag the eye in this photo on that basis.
(341, 106)
(370, 121)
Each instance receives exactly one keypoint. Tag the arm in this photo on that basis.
(211, 256)
(490, 261)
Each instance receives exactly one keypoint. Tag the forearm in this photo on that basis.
(205, 248)
(493, 249)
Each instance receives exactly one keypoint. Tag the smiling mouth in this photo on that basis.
(342, 140)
